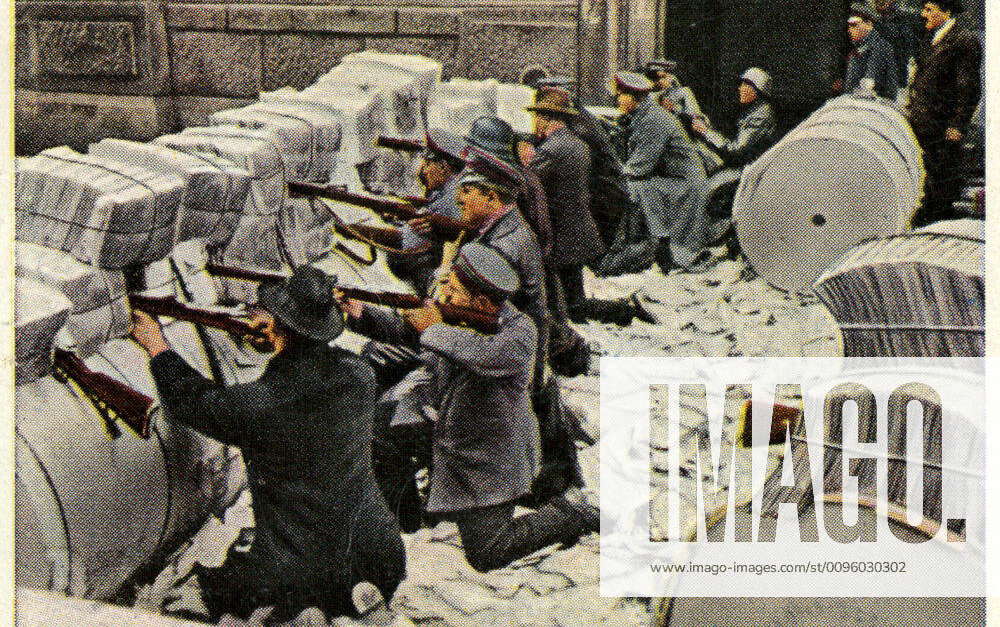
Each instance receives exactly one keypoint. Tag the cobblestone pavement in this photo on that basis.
(717, 313)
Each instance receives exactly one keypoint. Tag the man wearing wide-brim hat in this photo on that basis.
(665, 174)
(472, 395)
(305, 431)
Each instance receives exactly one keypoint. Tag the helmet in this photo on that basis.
(493, 135)
(760, 79)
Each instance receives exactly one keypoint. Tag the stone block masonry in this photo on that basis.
(135, 69)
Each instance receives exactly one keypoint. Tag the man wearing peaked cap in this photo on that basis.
(670, 93)
(495, 137)
(473, 397)
(305, 431)
(665, 173)
(871, 57)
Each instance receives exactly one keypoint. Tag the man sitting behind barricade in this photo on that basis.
(665, 173)
(756, 132)
(305, 431)
(472, 397)
(669, 91)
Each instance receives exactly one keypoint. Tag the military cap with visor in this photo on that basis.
(664, 65)
(304, 303)
(483, 168)
(864, 11)
(482, 269)
(631, 83)
(444, 145)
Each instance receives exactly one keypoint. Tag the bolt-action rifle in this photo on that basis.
(457, 315)
(172, 308)
(110, 397)
(400, 143)
(406, 209)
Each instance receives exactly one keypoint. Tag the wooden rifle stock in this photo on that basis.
(400, 143)
(112, 398)
(172, 308)
(408, 209)
(452, 314)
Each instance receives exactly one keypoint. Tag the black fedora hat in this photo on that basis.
(304, 303)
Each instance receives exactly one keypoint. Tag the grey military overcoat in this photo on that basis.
(475, 388)
(563, 164)
(666, 179)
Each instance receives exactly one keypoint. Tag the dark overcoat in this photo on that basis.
(563, 164)
(475, 389)
(872, 58)
(305, 431)
(666, 178)
(947, 86)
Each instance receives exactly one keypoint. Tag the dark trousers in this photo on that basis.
(246, 582)
(493, 538)
(943, 184)
(571, 278)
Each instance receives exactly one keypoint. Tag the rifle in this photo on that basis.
(457, 315)
(172, 308)
(110, 397)
(406, 209)
(400, 143)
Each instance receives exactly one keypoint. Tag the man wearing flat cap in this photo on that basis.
(473, 396)
(946, 89)
(305, 431)
(665, 173)
(871, 58)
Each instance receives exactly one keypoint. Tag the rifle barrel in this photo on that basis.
(399, 143)
(232, 272)
(170, 307)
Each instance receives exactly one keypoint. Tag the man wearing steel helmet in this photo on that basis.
(756, 131)
(305, 431)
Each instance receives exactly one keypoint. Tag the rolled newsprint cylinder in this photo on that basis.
(852, 171)
(916, 294)
(686, 610)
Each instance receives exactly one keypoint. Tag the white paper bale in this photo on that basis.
(454, 115)
(483, 92)
(98, 296)
(104, 212)
(216, 188)
(511, 101)
(362, 116)
(311, 137)
(403, 92)
(39, 312)
(182, 274)
(428, 71)
(265, 236)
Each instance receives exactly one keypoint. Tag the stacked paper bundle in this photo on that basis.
(362, 118)
(265, 235)
(456, 104)
(216, 189)
(39, 312)
(100, 310)
(310, 136)
(511, 101)
(104, 212)
(426, 71)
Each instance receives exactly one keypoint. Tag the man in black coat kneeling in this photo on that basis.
(305, 431)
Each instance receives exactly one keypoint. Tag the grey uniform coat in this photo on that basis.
(666, 178)
(683, 98)
(475, 389)
(563, 163)
(872, 58)
(755, 133)
(510, 235)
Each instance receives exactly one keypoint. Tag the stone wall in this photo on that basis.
(87, 69)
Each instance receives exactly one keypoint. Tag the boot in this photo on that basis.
(664, 259)
(640, 312)
(618, 312)
(586, 518)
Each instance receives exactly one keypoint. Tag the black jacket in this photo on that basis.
(305, 431)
